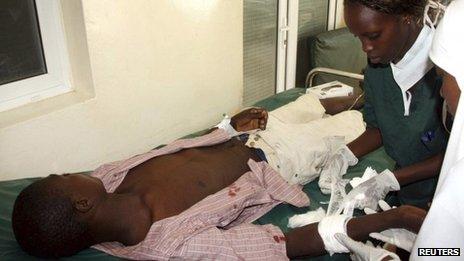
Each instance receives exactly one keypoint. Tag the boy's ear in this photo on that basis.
(83, 205)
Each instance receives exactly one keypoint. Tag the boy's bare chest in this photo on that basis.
(172, 183)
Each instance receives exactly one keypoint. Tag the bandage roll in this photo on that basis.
(328, 227)
(225, 125)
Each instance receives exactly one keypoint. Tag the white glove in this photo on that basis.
(399, 237)
(368, 193)
(332, 163)
(368, 173)
(364, 252)
(337, 162)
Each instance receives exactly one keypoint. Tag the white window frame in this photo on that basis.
(57, 79)
(282, 40)
(293, 7)
(287, 44)
(288, 39)
(335, 20)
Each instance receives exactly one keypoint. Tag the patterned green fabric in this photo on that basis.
(9, 249)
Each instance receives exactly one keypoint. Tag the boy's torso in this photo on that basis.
(172, 183)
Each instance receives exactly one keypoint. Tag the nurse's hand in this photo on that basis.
(250, 119)
(399, 237)
(364, 252)
(368, 193)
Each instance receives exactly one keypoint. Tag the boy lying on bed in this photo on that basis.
(192, 199)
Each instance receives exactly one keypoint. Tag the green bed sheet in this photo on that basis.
(9, 249)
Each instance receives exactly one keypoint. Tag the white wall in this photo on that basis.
(161, 69)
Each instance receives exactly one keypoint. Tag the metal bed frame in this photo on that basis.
(322, 70)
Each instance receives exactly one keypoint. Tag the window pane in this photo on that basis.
(312, 19)
(259, 49)
(21, 54)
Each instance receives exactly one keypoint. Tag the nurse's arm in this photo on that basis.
(422, 170)
(369, 141)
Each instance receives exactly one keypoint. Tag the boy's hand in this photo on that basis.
(250, 119)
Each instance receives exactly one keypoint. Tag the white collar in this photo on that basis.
(413, 66)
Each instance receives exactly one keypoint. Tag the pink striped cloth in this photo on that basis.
(219, 226)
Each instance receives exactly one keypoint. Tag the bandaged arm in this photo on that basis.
(227, 127)
(306, 241)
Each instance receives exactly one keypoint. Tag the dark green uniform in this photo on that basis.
(407, 139)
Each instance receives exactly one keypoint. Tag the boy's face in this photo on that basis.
(79, 185)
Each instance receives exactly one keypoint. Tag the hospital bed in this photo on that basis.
(9, 249)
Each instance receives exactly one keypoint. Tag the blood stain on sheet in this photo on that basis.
(233, 189)
(276, 239)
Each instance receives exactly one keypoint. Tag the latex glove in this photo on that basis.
(368, 193)
(399, 237)
(331, 172)
(364, 252)
(368, 173)
(339, 158)
(336, 204)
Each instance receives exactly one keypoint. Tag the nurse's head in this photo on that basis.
(386, 28)
(447, 53)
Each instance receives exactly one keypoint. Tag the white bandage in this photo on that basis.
(307, 218)
(328, 227)
(225, 125)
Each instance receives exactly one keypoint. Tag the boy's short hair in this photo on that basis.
(45, 223)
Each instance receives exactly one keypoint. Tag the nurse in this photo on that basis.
(444, 224)
(402, 95)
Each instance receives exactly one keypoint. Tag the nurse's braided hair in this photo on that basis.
(414, 8)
